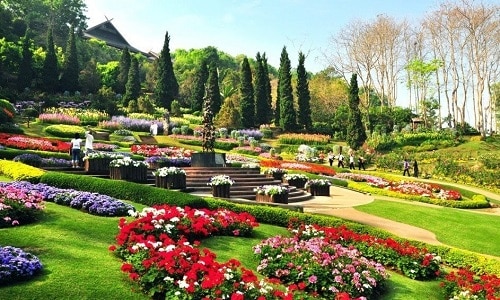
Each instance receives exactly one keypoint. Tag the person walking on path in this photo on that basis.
(89, 141)
(330, 158)
(351, 162)
(76, 144)
(361, 163)
(341, 160)
(406, 167)
(415, 168)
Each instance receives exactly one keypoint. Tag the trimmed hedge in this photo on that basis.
(11, 153)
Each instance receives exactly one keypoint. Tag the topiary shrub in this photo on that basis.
(64, 131)
(7, 111)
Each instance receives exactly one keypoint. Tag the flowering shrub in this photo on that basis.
(295, 176)
(127, 162)
(29, 159)
(163, 172)
(322, 267)
(317, 182)
(18, 206)
(464, 284)
(271, 190)
(58, 118)
(16, 265)
(220, 180)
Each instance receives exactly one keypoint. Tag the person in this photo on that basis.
(341, 160)
(76, 144)
(166, 122)
(89, 141)
(351, 162)
(153, 128)
(361, 163)
(415, 168)
(330, 158)
(406, 167)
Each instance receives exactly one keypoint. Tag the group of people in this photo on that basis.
(406, 168)
(340, 158)
(76, 146)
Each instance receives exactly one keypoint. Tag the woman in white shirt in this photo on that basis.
(89, 141)
(76, 144)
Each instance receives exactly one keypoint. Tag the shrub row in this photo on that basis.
(9, 154)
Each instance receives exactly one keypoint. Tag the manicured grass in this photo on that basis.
(458, 228)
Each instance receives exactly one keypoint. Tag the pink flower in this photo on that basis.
(313, 279)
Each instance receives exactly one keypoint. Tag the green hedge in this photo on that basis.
(11, 153)
(65, 131)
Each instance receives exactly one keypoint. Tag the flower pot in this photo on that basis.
(298, 183)
(280, 198)
(276, 176)
(97, 165)
(319, 190)
(221, 191)
(134, 174)
(174, 181)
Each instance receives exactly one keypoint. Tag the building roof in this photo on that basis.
(108, 33)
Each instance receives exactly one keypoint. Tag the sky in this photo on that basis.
(247, 26)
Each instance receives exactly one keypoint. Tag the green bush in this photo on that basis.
(11, 153)
(7, 111)
(10, 128)
(267, 133)
(65, 131)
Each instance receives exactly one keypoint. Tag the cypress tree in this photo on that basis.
(50, 72)
(133, 86)
(261, 100)
(288, 118)
(71, 69)
(167, 88)
(25, 73)
(247, 104)
(200, 80)
(123, 69)
(269, 114)
(213, 91)
(303, 95)
(356, 134)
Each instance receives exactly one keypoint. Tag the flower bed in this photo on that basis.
(17, 265)
(31, 143)
(302, 166)
(19, 206)
(464, 284)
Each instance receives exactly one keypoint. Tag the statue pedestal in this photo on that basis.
(208, 159)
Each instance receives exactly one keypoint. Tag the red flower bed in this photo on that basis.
(301, 166)
(154, 150)
(464, 283)
(31, 143)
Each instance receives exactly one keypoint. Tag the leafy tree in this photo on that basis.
(356, 134)
(132, 106)
(123, 69)
(247, 104)
(167, 88)
(213, 91)
(288, 118)
(200, 80)
(71, 69)
(145, 104)
(262, 106)
(25, 74)
(133, 87)
(90, 78)
(108, 73)
(50, 72)
(229, 116)
(303, 95)
(269, 114)
(328, 92)
(105, 101)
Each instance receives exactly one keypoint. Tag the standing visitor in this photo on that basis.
(330, 158)
(153, 129)
(351, 162)
(415, 168)
(341, 160)
(406, 167)
(76, 144)
(89, 141)
(361, 163)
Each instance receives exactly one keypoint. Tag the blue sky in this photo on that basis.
(246, 26)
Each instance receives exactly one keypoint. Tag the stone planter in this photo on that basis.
(98, 165)
(174, 181)
(298, 183)
(281, 198)
(221, 191)
(208, 159)
(134, 174)
(319, 190)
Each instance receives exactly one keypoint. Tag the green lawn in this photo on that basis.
(458, 228)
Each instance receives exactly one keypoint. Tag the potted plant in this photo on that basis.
(221, 186)
(128, 169)
(276, 173)
(170, 178)
(318, 187)
(296, 180)
(271, 193)
(98, 162)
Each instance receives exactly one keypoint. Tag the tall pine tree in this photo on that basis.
(133, 86)
(200, 80)
(213, 89)
(288, 117)
(167, 88)
(303, 95)
(25, 73)
(71, 69)
(269, 115)
(123, 69)
(50, 72)
(356, 134)
(261, 101)
(247, 103)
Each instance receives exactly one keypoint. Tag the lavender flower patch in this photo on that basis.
(56, 162)
(140, 125)
(16, 265)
